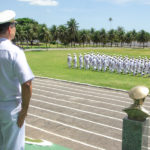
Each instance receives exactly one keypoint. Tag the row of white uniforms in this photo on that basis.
(14, 71)
(102, 62)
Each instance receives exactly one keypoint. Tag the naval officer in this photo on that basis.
(15, 86)
(69, 60)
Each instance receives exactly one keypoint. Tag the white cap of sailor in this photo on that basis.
(7, 16)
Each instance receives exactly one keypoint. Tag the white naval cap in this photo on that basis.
(7, 16)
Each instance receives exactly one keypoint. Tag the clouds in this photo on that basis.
(122, 1)
(41, 2)
(146, 2)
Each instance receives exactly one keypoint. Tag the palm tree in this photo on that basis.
(62, 34)
(19, 33)
(111, 36)
(143, 37)
(54, 33)
(134, 36)
(128, 38)
(121, 35)
(92, 31)
(72, 27)
(27, 29)
(44, 34)
(96, 37)
(110, 20)
(83, 36)
(30, 34)
(103, 36)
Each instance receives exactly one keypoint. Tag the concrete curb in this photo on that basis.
(86, 84)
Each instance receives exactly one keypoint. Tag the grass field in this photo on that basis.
(53, 64)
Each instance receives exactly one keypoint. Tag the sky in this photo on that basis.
(129, 14)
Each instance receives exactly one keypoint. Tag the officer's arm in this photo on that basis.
(26, 95)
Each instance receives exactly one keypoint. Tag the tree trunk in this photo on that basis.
(111, 44)
(31, 43)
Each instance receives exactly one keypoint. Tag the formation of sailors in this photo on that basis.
(103, 62)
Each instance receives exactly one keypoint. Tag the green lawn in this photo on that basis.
(53, 64)
(38, 147)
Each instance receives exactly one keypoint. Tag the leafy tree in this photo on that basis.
(134, 36)
(91, 33)
(110, 20)
(121, 35)
(128, 38)
(111, 36)
(83, 36)
(63, 34)
(24, 21)
(72, 27)
(143, 37)
(96, 37)
(54, 33)
(103, 36)
(20, 34)
(27, 29)
(44, 34)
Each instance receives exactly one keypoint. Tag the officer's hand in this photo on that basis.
(21, 118)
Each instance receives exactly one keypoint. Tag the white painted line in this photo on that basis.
(84, 88)
(84, 84)
(76, 89)
(78, 83)
(77, 110)
(86, 98)
(63, 137)
(77, 128)
(94, 101)
(110, 99)
(101, 108)
(80, 119)
(145, 148)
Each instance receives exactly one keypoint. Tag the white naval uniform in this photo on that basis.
(146, 67)
(94, 63)
(87, 62)
(81, 61)
(149, 67)
(75, 61)
(98, 64)
(69, 61)
(14, 71)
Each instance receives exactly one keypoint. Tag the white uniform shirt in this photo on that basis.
(14, 71)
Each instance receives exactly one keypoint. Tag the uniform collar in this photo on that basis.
(3, 39)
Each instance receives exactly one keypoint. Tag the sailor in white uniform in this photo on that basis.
(75, 61)
(139, 66)
(94, 63)
(87, 62)
(84, 60)
(81, 61)
(15, 86)
(142, 67)
(146, 67)
(149, 67)
(69, 60)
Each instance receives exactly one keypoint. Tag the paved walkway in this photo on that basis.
(79, 117)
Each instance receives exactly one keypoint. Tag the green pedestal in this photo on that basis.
(135, 134)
